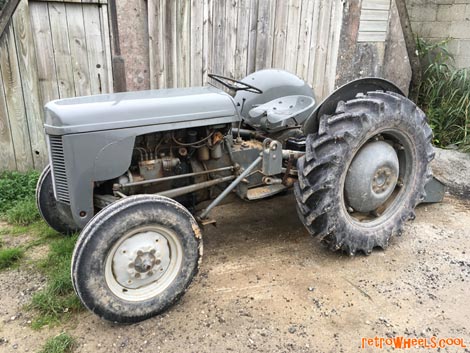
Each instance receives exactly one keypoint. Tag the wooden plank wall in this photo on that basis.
(49, 50)
(190, 38)
(60, 48)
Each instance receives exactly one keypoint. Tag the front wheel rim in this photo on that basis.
(143, 263)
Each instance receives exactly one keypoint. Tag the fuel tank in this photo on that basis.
(167, 109)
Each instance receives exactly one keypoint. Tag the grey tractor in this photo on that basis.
(138, 173)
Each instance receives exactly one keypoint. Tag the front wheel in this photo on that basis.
(57, 215)
(364, 172)
(136, 257)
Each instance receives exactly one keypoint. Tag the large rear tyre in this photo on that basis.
(136, 258)
(57, 215)
(364, 172)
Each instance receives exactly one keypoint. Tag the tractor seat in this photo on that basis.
(281, 112)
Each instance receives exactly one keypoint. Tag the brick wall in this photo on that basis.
(439, 19)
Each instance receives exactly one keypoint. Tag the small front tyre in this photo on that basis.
(57, 215)
(136, 258)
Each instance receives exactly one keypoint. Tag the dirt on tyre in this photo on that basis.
(136, 258)
(57, 215)
(364, 172)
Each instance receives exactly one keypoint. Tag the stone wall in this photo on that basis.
(387, 59)
(439, 19)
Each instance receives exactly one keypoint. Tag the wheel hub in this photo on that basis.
(382, 180)
(141, 260)
(144, 262)
(372, 176)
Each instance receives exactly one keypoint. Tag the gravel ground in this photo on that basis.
(265, 285)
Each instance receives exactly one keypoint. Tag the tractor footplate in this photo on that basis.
(264, 191)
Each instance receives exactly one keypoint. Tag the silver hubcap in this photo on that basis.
(143, 263)
(372, 176)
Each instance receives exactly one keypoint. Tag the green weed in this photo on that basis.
(8, 257)
(444, 94)
(62, 343)
(16, 186)
(17, 197)
(58, 299)
(23, 212)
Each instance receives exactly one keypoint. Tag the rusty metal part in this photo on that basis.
(289, 166)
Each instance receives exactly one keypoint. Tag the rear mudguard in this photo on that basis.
(344, 93)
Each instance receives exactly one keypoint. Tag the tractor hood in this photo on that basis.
(168, 108)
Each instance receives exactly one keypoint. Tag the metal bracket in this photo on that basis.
(272, 157)
(229, 188)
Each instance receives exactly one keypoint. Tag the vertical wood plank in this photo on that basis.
(231, 22)
(29, 82)
(15, 101)
(183, 42)
(60, 41)
(333, 50)
(313, 41)
(78, 49)
(170, 42)
(264, 39)
(243, 33)
(95, 49)
(156, 44)
(292, 44)
(305, 32)
(253, 34)
(322, 47)
(106, 39)
(7, 152)
(280, 33)
(218, 46)
(47, 76)
(207, 30)
(196, 32)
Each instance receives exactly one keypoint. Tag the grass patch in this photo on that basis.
(444, 94)
(17, 197)
(10, 256)
(58, 299)
(18, 207)
(62, 343)
(23, 212)
(39, 228)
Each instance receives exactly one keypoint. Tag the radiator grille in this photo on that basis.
(58, 169)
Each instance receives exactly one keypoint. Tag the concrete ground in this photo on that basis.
(265, 285)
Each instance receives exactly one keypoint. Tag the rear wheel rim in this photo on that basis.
(143, 263)
(407, 165)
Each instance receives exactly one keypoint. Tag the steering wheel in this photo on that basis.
(235, 84)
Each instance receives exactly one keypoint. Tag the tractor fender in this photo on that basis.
(344, 93)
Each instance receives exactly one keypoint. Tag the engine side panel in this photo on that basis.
(101, 155)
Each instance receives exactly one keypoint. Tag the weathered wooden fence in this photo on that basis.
(190, 38)
(48, 50)
(55, 49)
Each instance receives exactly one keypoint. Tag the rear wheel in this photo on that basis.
(57, 215)
(364, 172)
(136, 257)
